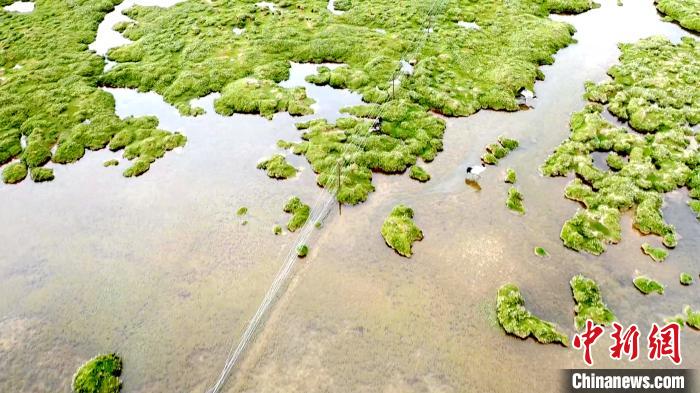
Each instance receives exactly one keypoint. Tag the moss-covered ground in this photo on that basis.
(302, 251)
(655, 90)
(190, 50)
(511, 176)
(517, 320)
(497, 151)
(277, 167)
(692, 318)
(99, 375)
(299, 211)
(647, 285)
(53, 98)
(418, 173)
(686, 279)
(399, 230)
(589, 303)
(685, 12)
(514, 201)
(655, 253)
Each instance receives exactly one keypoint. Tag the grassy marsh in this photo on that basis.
(99, 375)
(517, 320)
(299, 211)
(277, 167)
(400, 232)
(589, 303)
(647, 285)
(653, 90)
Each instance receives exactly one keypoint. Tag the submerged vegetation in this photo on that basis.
(277, 167)
(49, 94)
(685, 12)
(399, 230)
(541, 252)
(188, 51)
(654, 89)
(242, 211)
(589, 303)
(299, 211)
(647, 285)
(516, 320)
(99, 375)
(515, 201)
(657, 254)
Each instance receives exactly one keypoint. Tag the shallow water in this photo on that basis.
(160, 268)
(22, 7)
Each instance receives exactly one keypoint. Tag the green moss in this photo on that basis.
(497, 151)
(277, 230)
(541, 252)
(516, 320)
(108, 163)
(695, 207)
(277, 167)
(40, 175)
(651, 89)
(657, 254)
(515, 201)
(264, 97)
(14, 173)
(511, 177)
(53, 99)
(685, 12)
(399, 230)
(299, 211)
(242, 211)
(302, 251)
(418, 173)
(121, 26)
(99, 375)
(692, 317)
(686, 279)
(590, 229)
(647, 285)
(589, 303)
(342, 5)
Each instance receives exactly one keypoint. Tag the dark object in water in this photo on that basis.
(376, 126)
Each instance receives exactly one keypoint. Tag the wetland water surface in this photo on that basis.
(160, 269)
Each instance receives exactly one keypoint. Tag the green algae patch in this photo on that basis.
(14, 173)
(685, 12)
(418, 173)
(277, 167)
(692, 318)
(511, 177)
(40, 175)
(657, 254)
(109, 163)
(686, 279)
(652, 90)
(695, 207)
(99, 375)
(515, 201)
(299, 211)
(647, 285)
(497, 151)
(589, 303)
(53, 99)
(541, 252)
(399, 230)
(242, 211)
(516, 320)
(277, 230)
(302, 251)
